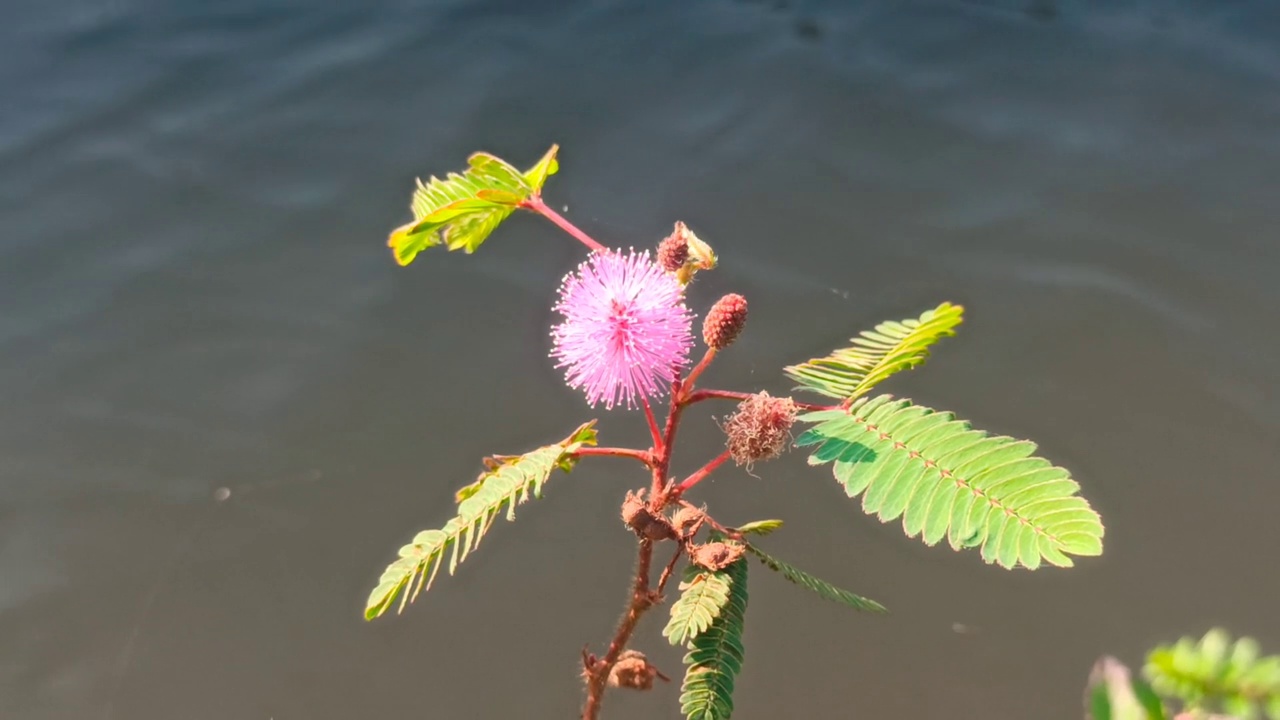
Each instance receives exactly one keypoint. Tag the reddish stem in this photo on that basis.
(654, 432)
(702, 473)
(535, 204)
(641, 599)
(671, 566)
(697, 370)
(701, 395)
(640, 455)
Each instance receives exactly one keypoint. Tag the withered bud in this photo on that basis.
(698, 255)
(715, 555)
(724, 321)
(645, 524)
(633, 671)
(673, 252)
(686, 521)
(760, 428)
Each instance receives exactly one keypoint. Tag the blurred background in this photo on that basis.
(223, 407)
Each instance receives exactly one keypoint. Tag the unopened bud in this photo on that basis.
(697, 254)
(760, 428)
(715, 555)
(724, 321)
(673, 252)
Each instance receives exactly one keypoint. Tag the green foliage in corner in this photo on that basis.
(703, 594)
(1215, 674)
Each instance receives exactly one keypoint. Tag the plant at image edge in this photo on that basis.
(625, 339)
(1213, 678)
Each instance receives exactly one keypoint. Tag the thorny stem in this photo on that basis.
(701, 473)
(654, 432)
(641, 455)
(701, 395)
(641, 600)
(728, 532)
(535, 204)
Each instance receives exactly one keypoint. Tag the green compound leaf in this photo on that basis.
(849, 373)
(462, 210)
(760, 527)
(824, 589)
(509, 483)
(715, 658)
(946, 479)
(703, 593)
(1215, 674)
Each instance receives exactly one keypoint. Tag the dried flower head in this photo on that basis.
(760, 428)
(697, 254)
(626, 330)
(724, 321)
(634, 671)
(715, 555)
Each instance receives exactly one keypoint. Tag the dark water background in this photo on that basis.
(195, 296)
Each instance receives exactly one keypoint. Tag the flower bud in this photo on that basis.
(697, 254)
(760, 428)
(673, 252)
(715, 555)
(724, 321)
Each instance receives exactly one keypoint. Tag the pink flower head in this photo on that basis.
(626, 330)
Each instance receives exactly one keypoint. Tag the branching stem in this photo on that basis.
(535, 204)
(701, 395)
(701, 473)
(654, 432)
(641, 455)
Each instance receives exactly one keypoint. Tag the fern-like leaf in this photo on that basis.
(1114, 694)
(508, 484)
(703, 593)
(824, 589)
(462, 210)
(716, 655)
(850, 372)
(947, 479)
(1217, 674)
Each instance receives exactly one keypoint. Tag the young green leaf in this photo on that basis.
(703, 594)
(508, 484)
(716, 656)
(946, 479)
(760, 527)
(462, 210)
(850, 372)
(824, 589)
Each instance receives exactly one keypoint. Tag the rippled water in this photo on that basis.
(222, 407)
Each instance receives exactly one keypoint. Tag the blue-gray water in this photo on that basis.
(196, 300)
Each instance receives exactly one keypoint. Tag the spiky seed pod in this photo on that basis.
(633, 671)
(724, 321)
(760, 428)
(645, 524)
(715, 555)
(686, 521)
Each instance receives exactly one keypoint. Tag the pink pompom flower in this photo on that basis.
(626, 330)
